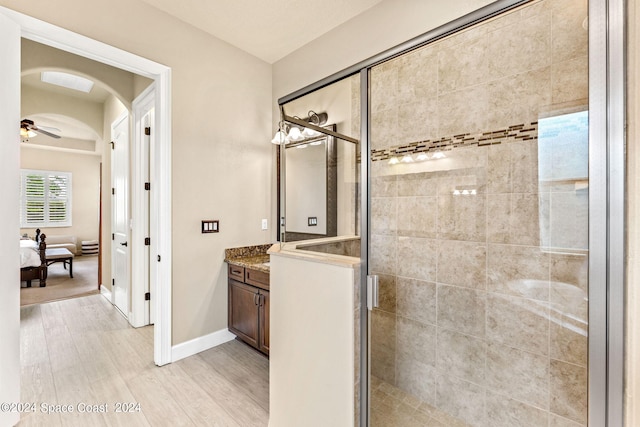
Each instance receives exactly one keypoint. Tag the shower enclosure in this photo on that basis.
(476, 144)
(479, 224)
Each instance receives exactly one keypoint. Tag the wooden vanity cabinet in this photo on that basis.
(249, 306)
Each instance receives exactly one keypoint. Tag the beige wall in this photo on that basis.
(221, 158)
(632, 355)
(85, 169)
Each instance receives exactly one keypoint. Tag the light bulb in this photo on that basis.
(295, 134)
(394, 161)
(456, 192)
(407, 158)
(310, 133)
(422, 157)
(278, 138)
(438, 155)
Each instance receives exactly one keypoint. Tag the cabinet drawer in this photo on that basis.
(257, 278)
(236, 272)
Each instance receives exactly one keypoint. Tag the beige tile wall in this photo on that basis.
(477, 318)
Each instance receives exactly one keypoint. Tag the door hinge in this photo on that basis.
(159, 258)
(113, 284)
(147, 241)
(372, 291)
(147, 186)
(147, 131)
(147, 296)
(113, 145)
(113, 236)
(113, 190)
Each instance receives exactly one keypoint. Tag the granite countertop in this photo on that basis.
(253, 257)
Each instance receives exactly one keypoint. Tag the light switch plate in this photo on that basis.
(265, 224)
(210, 226)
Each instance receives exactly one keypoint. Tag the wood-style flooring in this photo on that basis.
(83, 352)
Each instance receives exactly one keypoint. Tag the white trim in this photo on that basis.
(139, 209)
(51, 35)
(197, 345)
(106, 293)
(162, 272)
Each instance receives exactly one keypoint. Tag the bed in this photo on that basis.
(33, 261)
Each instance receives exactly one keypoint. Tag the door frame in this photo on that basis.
(140, 215)
(54, 36)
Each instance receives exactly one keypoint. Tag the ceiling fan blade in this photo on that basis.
(49, 128)
(44, 132)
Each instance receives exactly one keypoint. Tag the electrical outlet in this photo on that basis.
(265, 224)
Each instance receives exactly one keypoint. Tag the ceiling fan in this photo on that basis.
(28, 129)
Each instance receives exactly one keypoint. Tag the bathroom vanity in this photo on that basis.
(248, 297)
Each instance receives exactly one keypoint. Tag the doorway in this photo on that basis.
(34, 29)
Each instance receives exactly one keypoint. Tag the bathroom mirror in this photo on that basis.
(318, 171)
(310, 185)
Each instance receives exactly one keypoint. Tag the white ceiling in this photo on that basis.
(268, 29)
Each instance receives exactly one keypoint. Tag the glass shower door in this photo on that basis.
(479, 225)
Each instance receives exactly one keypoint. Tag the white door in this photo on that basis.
(120, 213)
(9, 224)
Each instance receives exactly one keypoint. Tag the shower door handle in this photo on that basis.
(372, 291)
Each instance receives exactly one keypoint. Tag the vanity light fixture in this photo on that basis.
(293, 133)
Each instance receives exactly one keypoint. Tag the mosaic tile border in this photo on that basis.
(520, 132)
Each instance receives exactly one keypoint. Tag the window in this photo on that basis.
(45, 199)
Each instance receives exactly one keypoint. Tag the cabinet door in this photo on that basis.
(243, 312)
(264, 321)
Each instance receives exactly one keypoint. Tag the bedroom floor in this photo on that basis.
(82, 350)
(60, 285)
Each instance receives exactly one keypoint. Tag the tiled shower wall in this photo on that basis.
(483, 307)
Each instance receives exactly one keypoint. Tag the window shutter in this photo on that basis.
(45, 199)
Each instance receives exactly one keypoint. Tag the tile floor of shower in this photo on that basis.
(391, 406)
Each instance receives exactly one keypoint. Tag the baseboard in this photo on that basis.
(105, 292)
(196, 345)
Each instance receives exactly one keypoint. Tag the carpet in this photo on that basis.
(60, 285)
